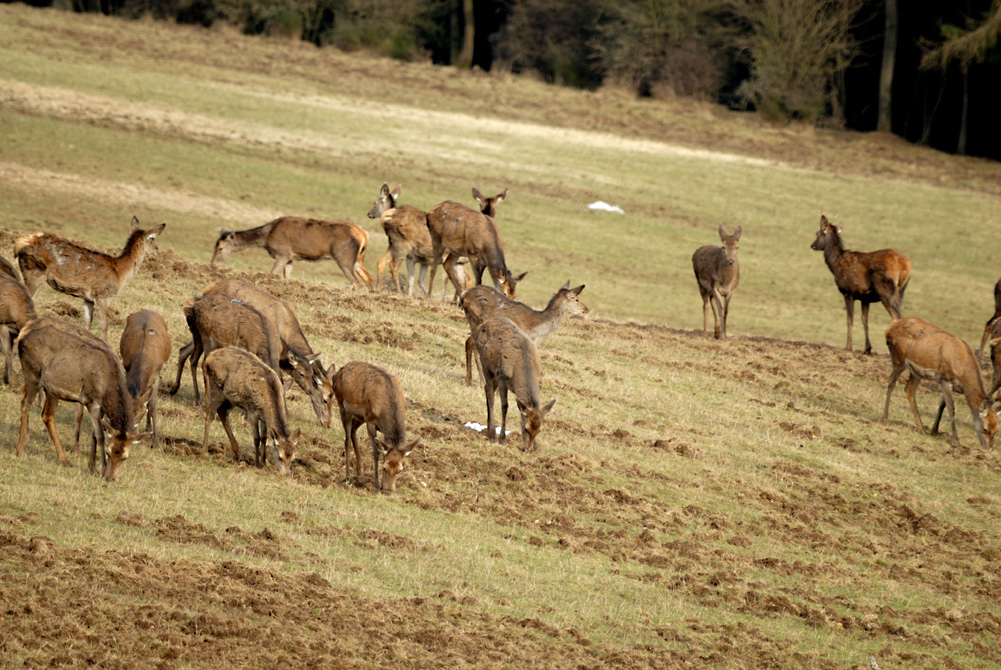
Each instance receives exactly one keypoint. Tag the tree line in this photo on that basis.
(925, 71)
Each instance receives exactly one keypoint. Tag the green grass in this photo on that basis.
(737, 504)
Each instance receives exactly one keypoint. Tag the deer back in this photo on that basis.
(17, 308)
(314, 239)
(854, 270)
(406, 227)
(507, 352)
(934, 353)
(483, 302)
(224, 321)
(374, 396)
(145, 348)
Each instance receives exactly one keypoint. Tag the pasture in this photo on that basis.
(693, 503)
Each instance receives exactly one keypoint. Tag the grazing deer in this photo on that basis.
(236, 378)
(78, 271)
(864, 276)
(145, 348)
(296, 356)
(931, 353)
(367, 394)
(994, 332)
(483, 302)
(511, 363)
(217, 320)
(718, 274)
(462, 231)
(73, 368)
(17, 310)
(991, 321)
(292, 238)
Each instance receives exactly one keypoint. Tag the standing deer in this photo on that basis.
(78, 271)
(483, 302)
(459, 231)
(291, 238)
(931, 353)
(864, 276)
(236, 378)
(17, 310)
(367, 394)
(718, 273)
(145, 348)
(217, 320)
(511, 363)
(994, 333)
(296, 355)
(68, 367)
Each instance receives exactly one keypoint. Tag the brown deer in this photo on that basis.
(17, 310)
(459, 231)
(511, 363)
(931, 353)
(236, 378)
(864, 276)
(296, 356)
(217, 320)
(367, 394)
(994, 333)
(78, 271)
(145, 348)
(68, 367)
(483, 302)
(718, 274)
(292, 238)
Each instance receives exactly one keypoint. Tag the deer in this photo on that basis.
(81, 272)
(217, 320)
(293, 238)
(236, 378)
(68, 367)
(875, 276)
(17, 310)
(296, 356)
(367, 394)
(144, 349)
(717, 272)
(994, 333)
(930, 353)
(511, 362)
(459, 231)
(483, 302)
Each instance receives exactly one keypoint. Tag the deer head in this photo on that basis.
(730, 245)
(318, 383)
(223, 246)
(117, 451)
(989, 419)
(386, 200)
(394, 462)
(531, 423)
(283, 451)
(489, 205)
(826, 233)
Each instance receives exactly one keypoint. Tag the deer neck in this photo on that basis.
(132, 256)
(255, 237)
(116, 405)
(833, 251)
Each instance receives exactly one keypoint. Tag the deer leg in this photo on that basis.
(78, 422)
(182, 355)
(380, 269)
(912, 386)
(8, 370)
(437, 252)
(375, 455)
(469, 361)
(102, 316)
(196, 353)
(488, 389)
(151, 413)
(947, 399)
(97, 438)
(726, 311)
(28, 394)
(49, 419)
(894, 375)
(212, 406)
(865, 327)
(88, 312)
(450, 271)
(717, 306)
(260, 450)
(502, 387)
(411, 273)
(224, 418)
(420, 280)
(850, 309)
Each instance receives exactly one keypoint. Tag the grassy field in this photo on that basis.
(693, 504)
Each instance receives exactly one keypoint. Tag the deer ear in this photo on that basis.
(397, 191)
(135, 223)
(521, 276)
(477, 196)
(722, 233)
(410, 447)
(499, 198)
(824, 221)
(294, 437)
(153, 232)
(287, 385)
(384, 191)
(995, 341)
(548, 406)
(330, 372)
(108, 428)
(381, 446)
(736, 233)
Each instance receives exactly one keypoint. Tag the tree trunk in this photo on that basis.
(885, 121)
(961, 143)
(465, 59)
